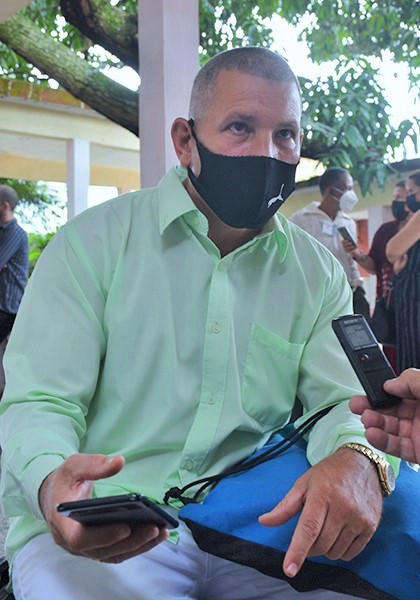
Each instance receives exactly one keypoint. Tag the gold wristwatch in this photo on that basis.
(385, 471)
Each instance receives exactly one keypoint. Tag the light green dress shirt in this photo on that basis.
(135, 337)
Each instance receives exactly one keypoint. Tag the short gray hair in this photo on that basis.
(8, 194)
(252, 60)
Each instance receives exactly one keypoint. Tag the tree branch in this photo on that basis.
(106, 25)
(104, 95)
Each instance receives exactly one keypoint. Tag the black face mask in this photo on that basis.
(243, 191)
(412, 203)
(398, 210)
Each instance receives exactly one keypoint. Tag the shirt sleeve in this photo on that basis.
(10, 243)
(57, 364)
(327, 379)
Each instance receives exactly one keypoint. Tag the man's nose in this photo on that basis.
(265, 146)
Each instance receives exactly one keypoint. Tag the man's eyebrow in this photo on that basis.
(251, 119)
(236, 116)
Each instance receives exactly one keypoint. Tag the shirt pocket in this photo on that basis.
(270, 377)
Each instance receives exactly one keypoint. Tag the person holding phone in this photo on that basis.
(183, 321)
(395, 430)
(323, 220)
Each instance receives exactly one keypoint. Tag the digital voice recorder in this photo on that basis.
(366, 357)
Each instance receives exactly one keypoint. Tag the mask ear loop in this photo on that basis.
(191, 124)
(338, 190)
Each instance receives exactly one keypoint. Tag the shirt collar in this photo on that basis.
(279, 227)
(175, 202)
(8, 223)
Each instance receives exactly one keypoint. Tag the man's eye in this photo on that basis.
(239, 127)
(286, 133)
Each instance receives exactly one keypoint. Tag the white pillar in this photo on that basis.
(78, 176)
(168, 49)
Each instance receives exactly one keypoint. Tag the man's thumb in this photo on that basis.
(91, 467)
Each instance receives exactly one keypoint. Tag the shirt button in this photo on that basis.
(212, 400)
(189, 465)
(216, 328)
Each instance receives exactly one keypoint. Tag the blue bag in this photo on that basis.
(226, 525)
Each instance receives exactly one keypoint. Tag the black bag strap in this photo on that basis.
(286, 443)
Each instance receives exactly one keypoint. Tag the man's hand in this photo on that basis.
(73, 480)
(341, 503)
(395, 430)
(348, 246)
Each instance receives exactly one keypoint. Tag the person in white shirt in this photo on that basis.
(323, 220)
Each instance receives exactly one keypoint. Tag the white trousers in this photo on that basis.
(168, 572)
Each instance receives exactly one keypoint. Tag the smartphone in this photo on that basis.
(366, 357)
(346, 235)
(126, 508)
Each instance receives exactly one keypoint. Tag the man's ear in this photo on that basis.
(182, 140)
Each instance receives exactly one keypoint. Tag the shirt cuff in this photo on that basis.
(28, 482)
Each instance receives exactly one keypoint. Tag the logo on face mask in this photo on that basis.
(278, 197)
(243, 191)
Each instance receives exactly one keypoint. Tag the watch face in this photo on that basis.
(390, 476)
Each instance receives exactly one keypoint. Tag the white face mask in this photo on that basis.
(348, 201)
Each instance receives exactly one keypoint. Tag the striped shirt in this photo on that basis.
(14, 265)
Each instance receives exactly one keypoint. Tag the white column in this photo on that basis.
(168, 48)
(78, 176)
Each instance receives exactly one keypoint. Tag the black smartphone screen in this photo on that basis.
(126, 508)
(346, 235)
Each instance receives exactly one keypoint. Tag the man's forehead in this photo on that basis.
(229, 77)
(399, 191)
(346, 180)
(245, 93)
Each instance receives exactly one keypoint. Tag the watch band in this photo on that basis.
(385, 471)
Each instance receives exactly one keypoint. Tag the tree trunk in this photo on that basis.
(101, 93)
(107, 26)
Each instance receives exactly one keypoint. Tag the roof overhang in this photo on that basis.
(35, 124)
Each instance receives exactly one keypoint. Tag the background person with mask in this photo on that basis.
(322, 220)
(403, 251)
(376, 262)
(183, 321)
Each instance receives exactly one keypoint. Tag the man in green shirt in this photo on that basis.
(163, 337)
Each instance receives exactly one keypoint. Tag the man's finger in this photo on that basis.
(85, 467)
(306, 533)
(291, 504)
(358, 404)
